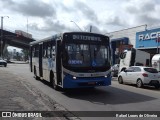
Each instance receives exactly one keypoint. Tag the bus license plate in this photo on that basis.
(91, 83)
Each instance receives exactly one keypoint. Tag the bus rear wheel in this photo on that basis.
(52, 81)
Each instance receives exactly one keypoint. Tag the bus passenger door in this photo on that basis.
(30, 58)
(58, 62)
(40, 61)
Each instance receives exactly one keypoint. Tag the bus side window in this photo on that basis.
(36, 51)
(33, 52)
(48, 50)
(53, 53)
(44, 50)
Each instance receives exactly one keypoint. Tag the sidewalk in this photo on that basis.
(15, 95)
(18, 62)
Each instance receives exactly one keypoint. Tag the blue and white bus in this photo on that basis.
(72, 60)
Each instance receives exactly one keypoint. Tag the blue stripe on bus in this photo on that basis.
(69, 82)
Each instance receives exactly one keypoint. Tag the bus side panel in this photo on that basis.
(30, 60)
(45, 69)
(58, 62)
(40, 61)
(35, 64)
(69, 82)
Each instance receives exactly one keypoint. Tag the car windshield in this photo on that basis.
(151, 70)
(1, 58)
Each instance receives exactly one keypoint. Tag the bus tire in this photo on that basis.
(35, 73)
(52, 81)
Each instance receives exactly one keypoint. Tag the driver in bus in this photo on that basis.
(98, 57)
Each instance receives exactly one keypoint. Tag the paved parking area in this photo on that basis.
(18, 95)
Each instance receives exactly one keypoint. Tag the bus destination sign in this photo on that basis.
(85, 37)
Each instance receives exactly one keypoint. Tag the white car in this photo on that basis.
(3, 62)
(140, 75)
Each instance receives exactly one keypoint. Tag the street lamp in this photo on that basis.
(2, 34)
(76, 25)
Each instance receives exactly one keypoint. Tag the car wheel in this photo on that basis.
(139, 83)
(120, 80)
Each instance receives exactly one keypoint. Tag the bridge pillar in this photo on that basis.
(4, 51)
(4, 48)
(1, 50)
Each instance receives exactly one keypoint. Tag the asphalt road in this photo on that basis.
(116, 97)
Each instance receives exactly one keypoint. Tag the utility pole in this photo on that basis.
(2, 35)
(90, 28)
(77, 25)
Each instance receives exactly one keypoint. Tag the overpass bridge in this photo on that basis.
(14, 39)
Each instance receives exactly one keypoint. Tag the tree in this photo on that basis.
(26, 54)
(6, 54)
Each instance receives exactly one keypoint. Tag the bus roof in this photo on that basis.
(60, 35)
(53, 37)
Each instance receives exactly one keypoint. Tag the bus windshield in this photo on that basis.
(78, 55)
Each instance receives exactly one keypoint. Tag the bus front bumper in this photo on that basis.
(70, 82)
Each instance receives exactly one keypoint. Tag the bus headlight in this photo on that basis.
(75, 78)
(108, 75)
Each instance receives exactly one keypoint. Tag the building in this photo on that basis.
(148, 40)
(139, 37)
(123, 39)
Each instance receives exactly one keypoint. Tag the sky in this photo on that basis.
(43, 18)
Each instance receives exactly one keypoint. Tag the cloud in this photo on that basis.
(137, 7)
(150, 20)
(7, 2)
(50, 25)
(80, 10)
(117, 21)
(86, 11)
(33, 8)
(47, 16)
(143, 12)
